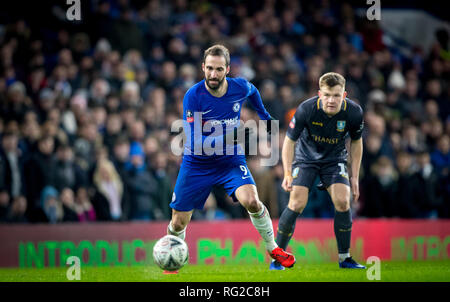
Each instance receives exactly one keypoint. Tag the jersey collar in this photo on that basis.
(343, 105)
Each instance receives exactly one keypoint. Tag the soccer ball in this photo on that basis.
(170, 253)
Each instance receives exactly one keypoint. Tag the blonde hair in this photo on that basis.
(111, 170)
(331, 79)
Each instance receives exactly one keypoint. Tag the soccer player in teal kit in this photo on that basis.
(216, 102)
(315, 145)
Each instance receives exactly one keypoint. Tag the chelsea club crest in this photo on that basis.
(340, 126)
(236, 107)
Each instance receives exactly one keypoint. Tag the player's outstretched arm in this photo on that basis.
(287, 156)
(356, 150)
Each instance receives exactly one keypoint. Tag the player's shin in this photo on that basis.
(343, 231)
(263, 224)
(181, 234)
(286, 227)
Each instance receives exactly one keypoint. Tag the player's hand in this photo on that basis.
(355, 189)
(287, 183)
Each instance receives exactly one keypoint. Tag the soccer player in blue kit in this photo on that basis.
(315, 145)
(215, 103)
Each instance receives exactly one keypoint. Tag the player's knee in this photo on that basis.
(178, 224)
(342, 204)
(251, 203)
(298, 201)
(297, 205)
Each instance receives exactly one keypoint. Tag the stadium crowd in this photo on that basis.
(86, 107)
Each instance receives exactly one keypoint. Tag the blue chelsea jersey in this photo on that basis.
(203, 113)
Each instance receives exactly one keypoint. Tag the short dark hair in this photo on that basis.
(9, 134)
(218, 50)
(64, 147)
(45, 137)
(331, 79)
(121, 140)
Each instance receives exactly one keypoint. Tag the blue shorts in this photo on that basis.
(195, 181)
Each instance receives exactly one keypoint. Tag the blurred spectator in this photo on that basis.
(17, 210)
(45, 104)
(357, 82)
(412, 105)
(412, 140)
(11, 166)
(372, 151)
(51, 206)
(99, 116)
(444, 210)
(85, 145)
(376, 127)
(130, 94)
(69, 207)
(16, 104)
(159, 168)
(31, 132)
(113, 130)
(109, 189)
(120, 155)
(379, 190)
(137, 132)
(101, 20)
(124, 34)
(168, 79)
(67, 173)
(406, 204)
(158, 100)
(440, 157)
(39, 172)
(270, 99)
(142, 186)
(4, 205)
(99, 90)
(426, 189)
(84, 207)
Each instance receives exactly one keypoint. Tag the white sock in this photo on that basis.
(181, 234)
(343, 256)
(263, 224)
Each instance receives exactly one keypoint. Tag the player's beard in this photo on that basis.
(215, 86)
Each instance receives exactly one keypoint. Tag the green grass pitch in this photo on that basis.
(391, 271)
